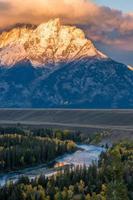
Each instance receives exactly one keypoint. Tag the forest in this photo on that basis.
(22, 150)
(44, 132)
(76, 136)
(111, 179)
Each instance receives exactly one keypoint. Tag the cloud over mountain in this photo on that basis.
(102, 24)
(59, 67)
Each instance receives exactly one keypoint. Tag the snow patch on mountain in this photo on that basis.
(47, 45)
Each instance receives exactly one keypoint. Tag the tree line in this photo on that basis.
(111, 179)
(19, 151)
(76, 136)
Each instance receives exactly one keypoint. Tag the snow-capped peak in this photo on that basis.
(49, 43)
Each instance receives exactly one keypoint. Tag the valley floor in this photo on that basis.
(118, 123)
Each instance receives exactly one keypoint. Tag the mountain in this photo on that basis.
(46, 45)
(54, 65)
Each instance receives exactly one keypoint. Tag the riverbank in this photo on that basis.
(89, 154)
(112, 178)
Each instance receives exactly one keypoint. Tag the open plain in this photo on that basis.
(119, 123)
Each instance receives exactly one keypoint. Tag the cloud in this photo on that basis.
(37, 11)
(4, 6)
(101, 24)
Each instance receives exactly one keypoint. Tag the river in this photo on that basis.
(85, 156)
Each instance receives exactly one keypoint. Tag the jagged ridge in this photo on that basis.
(49, 43)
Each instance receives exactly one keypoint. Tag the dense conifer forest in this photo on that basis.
(19, 149)
(110, 179)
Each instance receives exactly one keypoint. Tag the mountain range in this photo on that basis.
(53, 65)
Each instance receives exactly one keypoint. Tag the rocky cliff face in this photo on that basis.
(56, 66)
(48, 44)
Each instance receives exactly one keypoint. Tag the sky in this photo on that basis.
(124, 5)
(108, 23)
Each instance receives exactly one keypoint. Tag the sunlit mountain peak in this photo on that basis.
(48, 43)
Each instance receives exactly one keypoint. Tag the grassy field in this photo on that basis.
(118, 122)
(66, 116)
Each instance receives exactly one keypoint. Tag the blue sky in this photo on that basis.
(124, 5)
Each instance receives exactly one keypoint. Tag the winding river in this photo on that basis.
(85, 156)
